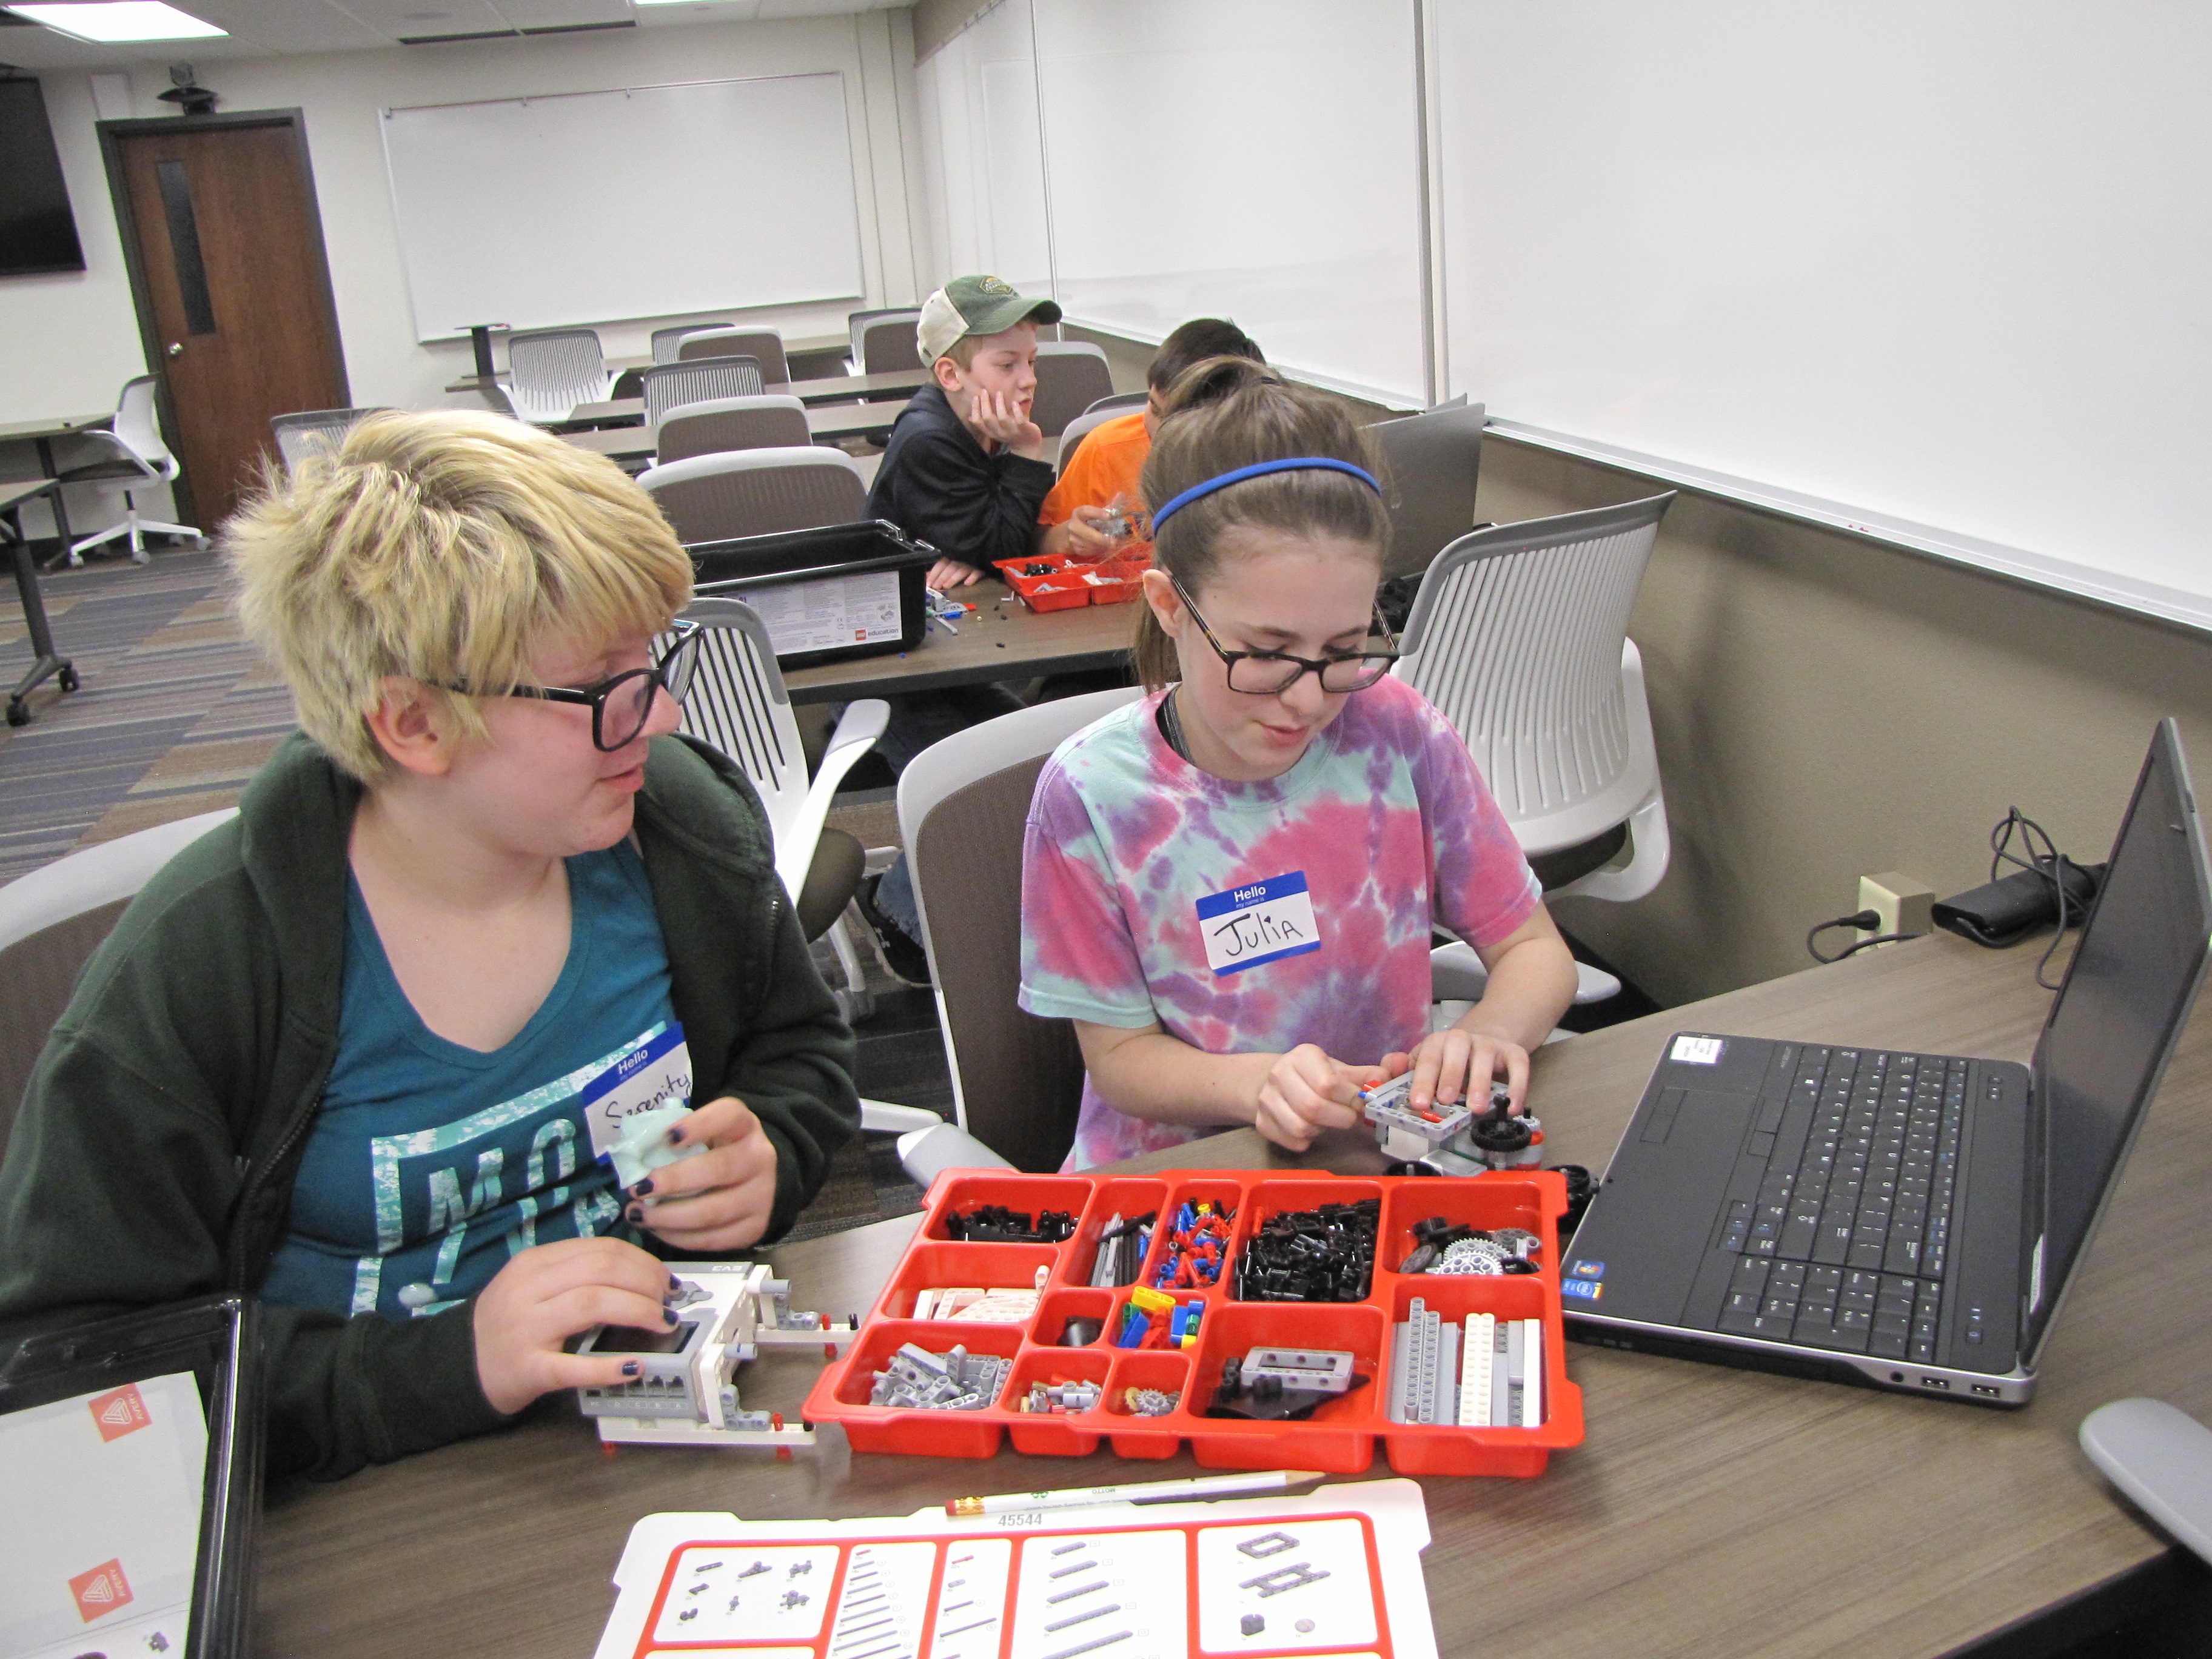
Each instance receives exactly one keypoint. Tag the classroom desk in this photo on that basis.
(1709, 1512)
(44, 663)
(823, 425)
(998, 642)
(806, 347)
(43, 434)
(836, 389)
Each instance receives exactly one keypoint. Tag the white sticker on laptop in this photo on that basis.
(657, 1074)
(1696, 1050)
(1260, 922)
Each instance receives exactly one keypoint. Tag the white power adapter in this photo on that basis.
(1902, 902)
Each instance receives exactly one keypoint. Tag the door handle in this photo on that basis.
(176, 348)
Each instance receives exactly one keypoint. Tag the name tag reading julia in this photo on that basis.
(1261, 921)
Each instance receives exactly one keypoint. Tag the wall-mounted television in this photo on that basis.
(38, 232)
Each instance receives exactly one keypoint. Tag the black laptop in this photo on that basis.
(1910, 1221)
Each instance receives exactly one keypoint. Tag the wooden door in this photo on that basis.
(225, 249)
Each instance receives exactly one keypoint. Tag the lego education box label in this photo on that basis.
(1260, 922)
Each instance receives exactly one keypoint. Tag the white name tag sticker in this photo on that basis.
(659, 1074)
(1260, 922)
(1696, 1050)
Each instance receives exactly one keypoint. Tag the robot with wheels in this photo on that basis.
(1455, 1140)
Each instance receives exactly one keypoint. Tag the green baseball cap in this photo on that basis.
(974, 305)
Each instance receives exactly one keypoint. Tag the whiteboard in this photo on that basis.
(1250, 158)
(631, 203)
(1936, 272)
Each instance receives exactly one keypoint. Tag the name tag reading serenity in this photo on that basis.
(647, 1079)
(1262, 922)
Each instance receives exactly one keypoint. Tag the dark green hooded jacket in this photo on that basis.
(154, 1157)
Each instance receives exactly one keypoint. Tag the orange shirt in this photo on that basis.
(1107, 464)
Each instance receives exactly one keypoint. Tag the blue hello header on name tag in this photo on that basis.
(1260, 922)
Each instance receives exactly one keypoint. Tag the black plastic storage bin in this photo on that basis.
(771, 572)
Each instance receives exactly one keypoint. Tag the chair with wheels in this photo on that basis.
(771, 421)
(1071, 376)
(1519, 635)
(551, 370)
(738, 704)
(697, 380)
(136, 460)
(758, 492)
(1433, 460)
(763, 345)
(314, 432)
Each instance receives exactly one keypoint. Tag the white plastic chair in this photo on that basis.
(1107, 409)
(667, 340)
(738, 704)
(697, 380)
(1071, 375)
(1519, 635)
(314, 432)
(889, 352)
(718, 425)
(551, 370)
(763, 345)
(758, 492)
(136, 460)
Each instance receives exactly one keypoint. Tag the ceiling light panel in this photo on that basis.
(107, 22)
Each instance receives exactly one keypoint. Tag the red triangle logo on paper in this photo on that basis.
(118, 1414)
(102, 1590)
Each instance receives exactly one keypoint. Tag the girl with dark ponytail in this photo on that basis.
(1230, 884)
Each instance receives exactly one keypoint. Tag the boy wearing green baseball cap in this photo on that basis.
(963, 471)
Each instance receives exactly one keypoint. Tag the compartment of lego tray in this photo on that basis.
(964, 1194)
(1061, 1427)
(1225, 1195)
(1059, 1306)
(1138, 1433)
(1187, 1304)
(881, 1340)
(1290, 1267)
(1337, 1417)
(934, 1266)
(1520, 1198)
(1125, 1199)
(1445, 1444)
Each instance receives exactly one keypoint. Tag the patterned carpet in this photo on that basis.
(176, 713)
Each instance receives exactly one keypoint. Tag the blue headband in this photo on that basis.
(1298, 464)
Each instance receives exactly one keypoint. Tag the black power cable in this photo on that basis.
(1860, 919)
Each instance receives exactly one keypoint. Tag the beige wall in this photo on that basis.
(1827, 707)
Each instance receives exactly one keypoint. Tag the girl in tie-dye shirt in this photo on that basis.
(1229, 886)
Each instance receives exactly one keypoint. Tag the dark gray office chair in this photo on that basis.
(758, 492)
(669, 385)
(313, 431)
(1071, 376)
(887, 342)
(858, 322)
(772, 421)
(763, 345)
(1433, 461)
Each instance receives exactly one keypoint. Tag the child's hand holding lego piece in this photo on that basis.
(1304, 1091)
(551, 1292)
(1455, 1064)
(720, 1200)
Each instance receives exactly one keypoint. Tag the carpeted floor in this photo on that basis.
(176, 713)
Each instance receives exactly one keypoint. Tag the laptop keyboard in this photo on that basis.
(1844, 1246)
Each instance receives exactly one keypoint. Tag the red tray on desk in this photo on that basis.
(1072, 582)
(1339, 1437)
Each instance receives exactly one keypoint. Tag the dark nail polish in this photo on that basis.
(636, 1215)
(675, 1285)
(629, 1368)
(642, 1189)
(668, 1316)
(676, 1136)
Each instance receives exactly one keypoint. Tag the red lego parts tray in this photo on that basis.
(1256, 1316)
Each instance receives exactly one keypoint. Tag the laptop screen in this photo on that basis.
(2131, 984)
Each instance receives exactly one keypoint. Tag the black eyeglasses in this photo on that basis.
(1267, 673)
(622, 703)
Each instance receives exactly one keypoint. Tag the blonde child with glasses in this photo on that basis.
(1230, 884)
(366, 1051)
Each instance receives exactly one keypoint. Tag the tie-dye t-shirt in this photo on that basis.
(1384, 819)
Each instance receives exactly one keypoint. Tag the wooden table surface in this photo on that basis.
(831, 421)
(1710, 1512)
(60, 426)
(835, 389)
(1004, 642)
(804, 346)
